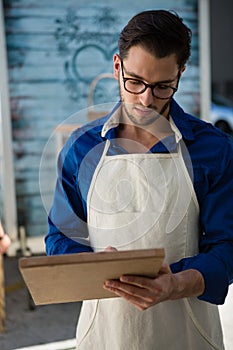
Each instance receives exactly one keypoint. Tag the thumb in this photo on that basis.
(165, 268)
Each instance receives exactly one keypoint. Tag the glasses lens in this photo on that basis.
(134, 86)
(163, 91)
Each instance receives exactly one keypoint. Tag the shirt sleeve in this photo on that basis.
(68, 231)
(215, 260)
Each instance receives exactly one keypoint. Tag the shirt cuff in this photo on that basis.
(213, 272)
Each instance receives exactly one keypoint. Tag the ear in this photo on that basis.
(182, 70)
(116, 66)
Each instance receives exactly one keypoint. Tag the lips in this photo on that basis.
(144, 112)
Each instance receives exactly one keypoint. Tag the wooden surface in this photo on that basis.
(76, 277)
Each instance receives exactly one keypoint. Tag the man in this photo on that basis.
(150, 175)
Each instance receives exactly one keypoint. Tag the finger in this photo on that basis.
(139, 303)
(165, 268)
(130, 290)
(142, 282)
(110, 249)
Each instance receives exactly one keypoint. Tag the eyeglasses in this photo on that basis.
(159, 90)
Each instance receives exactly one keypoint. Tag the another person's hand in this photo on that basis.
(4, 241)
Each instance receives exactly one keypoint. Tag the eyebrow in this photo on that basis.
(141, 78)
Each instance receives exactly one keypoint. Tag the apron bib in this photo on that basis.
(139, 201)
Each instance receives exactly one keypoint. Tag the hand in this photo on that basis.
(4, 243)
(145, 292)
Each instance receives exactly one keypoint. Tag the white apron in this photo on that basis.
(138, 201)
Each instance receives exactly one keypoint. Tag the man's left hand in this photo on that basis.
(144, 292)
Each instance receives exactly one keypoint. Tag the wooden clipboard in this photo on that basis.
(77, 277)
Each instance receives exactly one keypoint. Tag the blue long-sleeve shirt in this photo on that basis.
(211, 154)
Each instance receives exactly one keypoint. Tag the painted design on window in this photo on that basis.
(87, 45)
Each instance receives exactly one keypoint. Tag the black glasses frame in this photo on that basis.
(151, 86)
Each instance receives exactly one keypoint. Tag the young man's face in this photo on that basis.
(143, 109)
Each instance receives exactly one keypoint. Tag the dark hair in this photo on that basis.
(160, 32)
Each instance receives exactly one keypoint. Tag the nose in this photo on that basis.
(146, 98)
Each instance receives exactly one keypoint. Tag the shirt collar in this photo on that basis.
(112, 122)
(181, 120)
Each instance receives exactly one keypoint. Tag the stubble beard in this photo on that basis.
(153, 116)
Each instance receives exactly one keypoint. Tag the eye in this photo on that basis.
(135, 82)
(163, 87)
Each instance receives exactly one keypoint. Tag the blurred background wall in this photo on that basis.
(221, 28)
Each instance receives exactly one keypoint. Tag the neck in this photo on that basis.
(144, 137)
